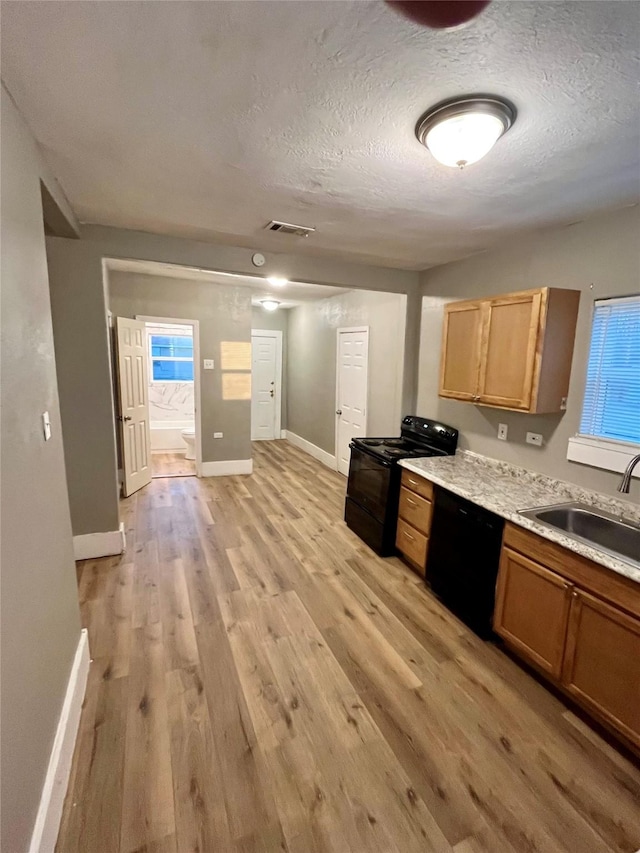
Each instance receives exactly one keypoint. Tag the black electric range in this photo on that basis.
(373, 488)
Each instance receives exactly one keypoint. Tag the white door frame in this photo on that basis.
(339, 331)
(277, 334)
(195, 325)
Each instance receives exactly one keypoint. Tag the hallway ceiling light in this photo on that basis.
(269, 304)
(461, 132)
(276, 281)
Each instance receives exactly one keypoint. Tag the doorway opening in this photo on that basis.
(172, 347)
(266, 384)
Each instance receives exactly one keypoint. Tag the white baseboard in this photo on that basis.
(283, 433)
(227, 468)
(47, 825)
(90, 546)
(312, 449)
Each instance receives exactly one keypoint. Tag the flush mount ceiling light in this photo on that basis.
(269, 304)
(461, 132)
(277, 281)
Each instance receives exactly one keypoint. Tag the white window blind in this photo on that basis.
(611, 408)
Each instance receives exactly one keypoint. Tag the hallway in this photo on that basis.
(261, 681)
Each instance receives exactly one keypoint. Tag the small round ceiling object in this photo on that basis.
(269, 304)
(462, 131)
(258, 260)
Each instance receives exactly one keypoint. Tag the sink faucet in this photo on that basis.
(626, 477)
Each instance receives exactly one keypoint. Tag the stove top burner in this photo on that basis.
(394, 448)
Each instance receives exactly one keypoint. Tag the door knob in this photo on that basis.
(271, 393)
(125, 418)
(338, 411)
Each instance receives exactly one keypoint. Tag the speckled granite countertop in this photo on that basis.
(504, 489)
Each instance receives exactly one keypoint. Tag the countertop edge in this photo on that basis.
(592, 553)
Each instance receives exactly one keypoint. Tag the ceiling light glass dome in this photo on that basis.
(463, 131)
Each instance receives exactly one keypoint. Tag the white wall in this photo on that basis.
(170, 402)
(599, 257)
(311, 363)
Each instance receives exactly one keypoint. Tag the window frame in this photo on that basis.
(606, 453)
(152, 358)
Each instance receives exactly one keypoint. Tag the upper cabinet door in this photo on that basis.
(509, 346)
(460, 360)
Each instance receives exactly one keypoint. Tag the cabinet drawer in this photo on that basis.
(417, 484)
(412, 543)
(415, 510)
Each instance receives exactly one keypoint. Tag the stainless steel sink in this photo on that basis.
(614, 534)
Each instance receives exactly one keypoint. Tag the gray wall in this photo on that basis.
(224, 314)
(600, 257)
(311, 366)
(276, 321)
(39, 611)
(75, 270)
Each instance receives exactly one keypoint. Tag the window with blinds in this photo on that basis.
(611, 408)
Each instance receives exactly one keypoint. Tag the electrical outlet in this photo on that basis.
(207, 363)
(503, 429)
(46, 425)
(534, 438)
(218, 434)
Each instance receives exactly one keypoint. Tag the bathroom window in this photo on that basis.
(171, 358)
(610, 423)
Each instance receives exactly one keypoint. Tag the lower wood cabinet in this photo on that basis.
(602, 662)
(576, 623)
(414, 519)
(532, 610)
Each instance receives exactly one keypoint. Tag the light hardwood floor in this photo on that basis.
(172, 465)
(262, 682)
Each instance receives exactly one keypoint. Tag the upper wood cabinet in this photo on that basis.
(512, 351)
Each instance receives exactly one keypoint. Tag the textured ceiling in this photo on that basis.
(289, 295)
(208, 119)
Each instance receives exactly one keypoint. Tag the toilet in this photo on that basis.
(189, 438)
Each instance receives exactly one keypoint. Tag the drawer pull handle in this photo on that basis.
(413, 482)
(409, 536)
(413, 503)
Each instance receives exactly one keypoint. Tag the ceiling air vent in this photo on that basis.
(289, 228)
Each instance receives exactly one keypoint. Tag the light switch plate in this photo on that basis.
(46, 425)
(503, 430)
(218, 434)
(208, 364)
(534, 438)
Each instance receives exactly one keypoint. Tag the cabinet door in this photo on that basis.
(602, 662)
(532, 610)
(508, 351)
(460, 357)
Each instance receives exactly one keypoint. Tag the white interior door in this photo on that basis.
(134, 403)
(351, 392)
(266, 367)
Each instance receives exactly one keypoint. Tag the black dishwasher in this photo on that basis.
(463, 557)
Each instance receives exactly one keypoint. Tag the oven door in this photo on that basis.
(369, 482)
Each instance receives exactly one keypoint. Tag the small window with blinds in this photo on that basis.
(611, 407)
